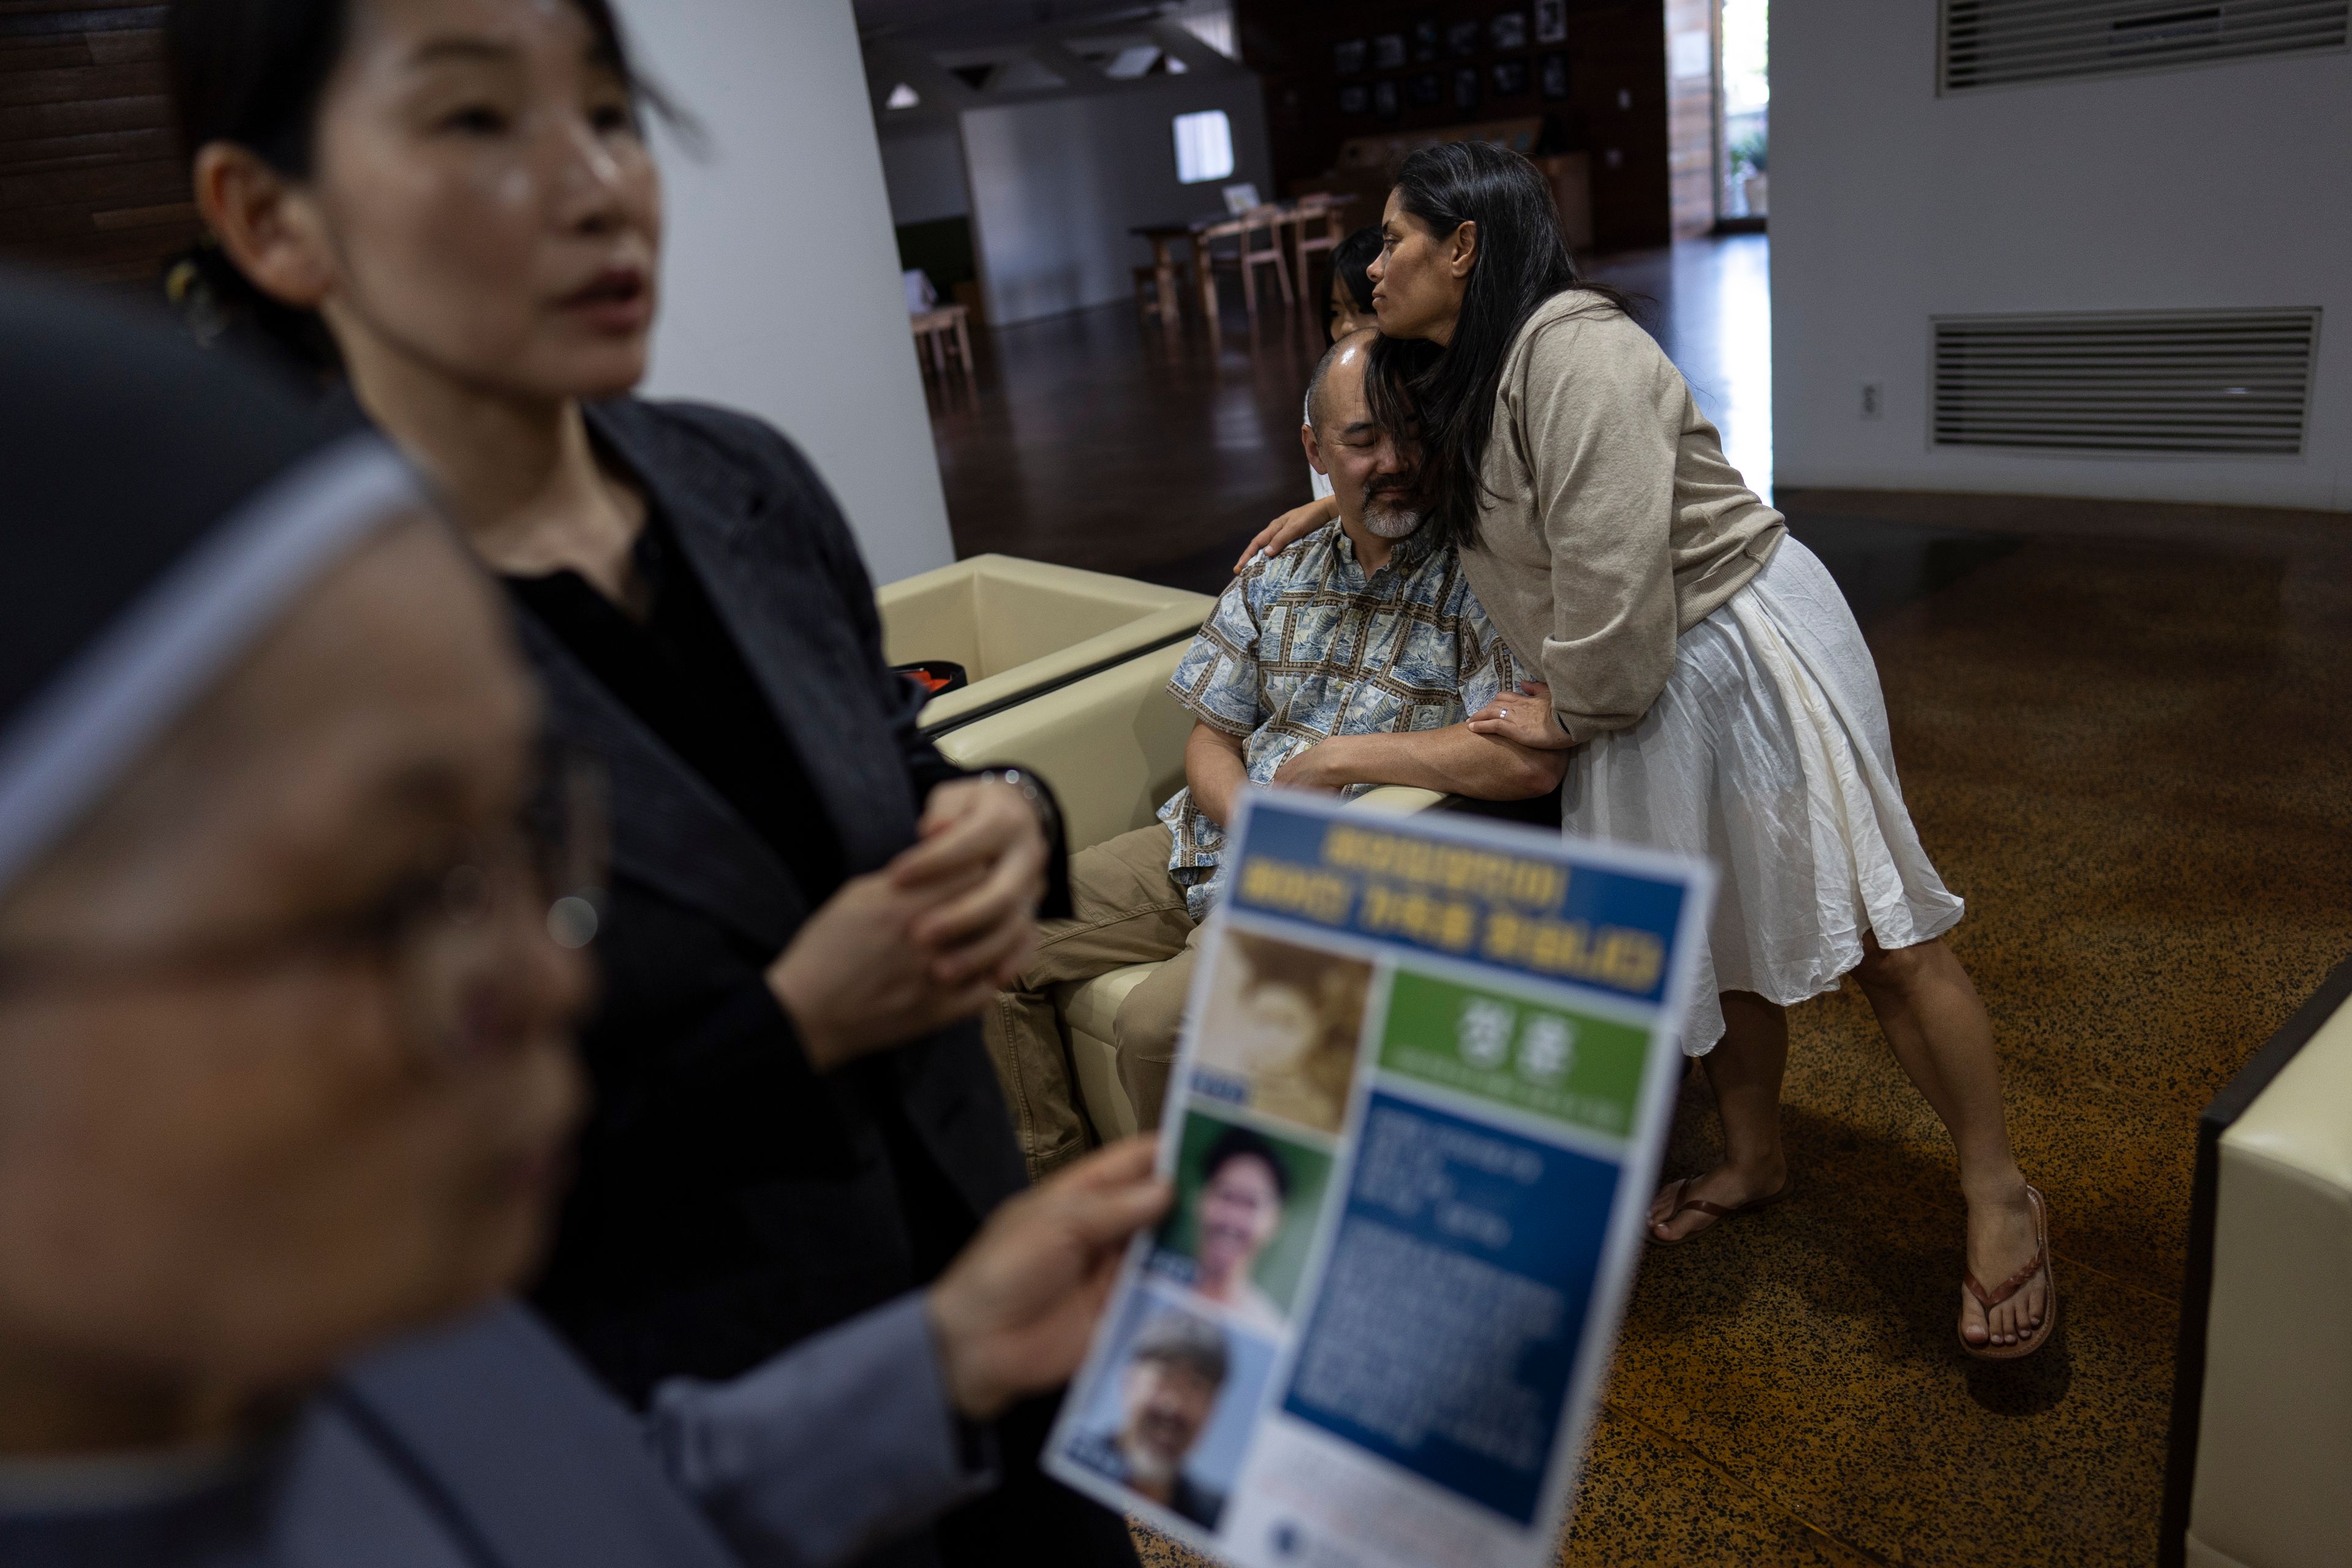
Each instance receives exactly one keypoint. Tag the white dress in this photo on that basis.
(1768, 753)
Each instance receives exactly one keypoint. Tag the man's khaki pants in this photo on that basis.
(1129, 910)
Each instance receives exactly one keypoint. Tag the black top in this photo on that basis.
(679, 672)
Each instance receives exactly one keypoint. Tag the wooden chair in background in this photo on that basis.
(1247, 258)
(1311, 211)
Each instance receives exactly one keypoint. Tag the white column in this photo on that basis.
(780, 293)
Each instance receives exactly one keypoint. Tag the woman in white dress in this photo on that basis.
(1708, 675)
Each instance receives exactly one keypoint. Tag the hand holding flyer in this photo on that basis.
(1412, 1132)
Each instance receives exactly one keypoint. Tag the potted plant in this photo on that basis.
(1748, 160)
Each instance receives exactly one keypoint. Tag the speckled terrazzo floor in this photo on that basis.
(2133, 756)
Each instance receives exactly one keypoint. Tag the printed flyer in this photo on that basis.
(1413, 1131)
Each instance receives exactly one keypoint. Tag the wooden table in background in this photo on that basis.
(1164, 238)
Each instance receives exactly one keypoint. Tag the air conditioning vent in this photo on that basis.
(1999, 42)
(2217, 383)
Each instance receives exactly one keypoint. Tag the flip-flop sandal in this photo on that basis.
(1705, 1206)
(2010, 1286)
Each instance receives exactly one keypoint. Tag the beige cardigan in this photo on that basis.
(1611, 522)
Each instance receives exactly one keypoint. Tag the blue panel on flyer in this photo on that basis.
(1445, 1329)
(1529, 906)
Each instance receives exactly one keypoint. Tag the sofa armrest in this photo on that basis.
(1398, 800)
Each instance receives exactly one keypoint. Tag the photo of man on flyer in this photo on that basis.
(1244, 1181)
(1177, 1369)
(1246, 1205)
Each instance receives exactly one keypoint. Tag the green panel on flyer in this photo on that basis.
(1557, 1063)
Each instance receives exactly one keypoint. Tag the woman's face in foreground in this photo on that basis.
(1419, 277)
(486, 200)
(228, 1176)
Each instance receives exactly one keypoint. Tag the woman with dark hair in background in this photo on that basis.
(449, 205)
(1351, 283)
(1703, 666)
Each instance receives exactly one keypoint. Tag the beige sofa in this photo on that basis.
(1112, 745)
(1020, 627)
(2273, 1455)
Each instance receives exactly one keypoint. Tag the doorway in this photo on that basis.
(1744, 85)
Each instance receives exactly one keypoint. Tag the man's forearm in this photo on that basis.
(1214, 769)
(1454, 760)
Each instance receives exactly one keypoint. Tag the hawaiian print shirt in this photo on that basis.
(1305, 647)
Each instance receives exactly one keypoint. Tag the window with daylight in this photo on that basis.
(1205, 146)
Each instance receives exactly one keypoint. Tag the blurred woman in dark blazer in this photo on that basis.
(448, 205)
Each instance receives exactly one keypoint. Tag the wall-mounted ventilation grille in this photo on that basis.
(1997, 43)
(2230, 382)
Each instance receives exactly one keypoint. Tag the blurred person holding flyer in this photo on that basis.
(291, 904)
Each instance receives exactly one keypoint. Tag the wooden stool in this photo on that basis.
(932, 330)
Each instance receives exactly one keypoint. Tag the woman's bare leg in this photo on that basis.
(1744, 1070)
(1937, 1027)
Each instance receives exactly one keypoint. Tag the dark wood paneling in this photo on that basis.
(92, 181)
(1616, 109)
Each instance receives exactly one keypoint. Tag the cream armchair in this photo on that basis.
(1022, 627)
(2263, 1412)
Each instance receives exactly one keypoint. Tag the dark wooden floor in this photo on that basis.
(2126, 734)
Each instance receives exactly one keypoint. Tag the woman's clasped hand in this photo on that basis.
(1526, 719)
(927, 939)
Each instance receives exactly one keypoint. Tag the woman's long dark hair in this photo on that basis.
(252, 72)
(1442, 400)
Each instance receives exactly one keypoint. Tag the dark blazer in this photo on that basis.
(728, 1201)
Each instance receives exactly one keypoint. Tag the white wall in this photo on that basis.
(1056, 184)
(923, 168)
(2221, 187)
(781, 292)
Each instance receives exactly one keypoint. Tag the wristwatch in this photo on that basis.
(1040, 798)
